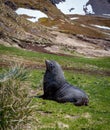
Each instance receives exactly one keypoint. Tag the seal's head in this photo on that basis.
(54, 69)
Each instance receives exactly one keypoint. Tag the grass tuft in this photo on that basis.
(16, 109)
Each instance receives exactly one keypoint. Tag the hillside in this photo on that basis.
(74, 33)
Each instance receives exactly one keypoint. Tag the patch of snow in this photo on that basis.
(102, 27)
(83, 25)
(77, 6)
(33, 13)
(90, 9)
(107, 15)
(55, 27)
(74, 18)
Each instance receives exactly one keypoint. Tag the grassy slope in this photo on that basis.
(82, 25)
(55, 116)
(88, 19)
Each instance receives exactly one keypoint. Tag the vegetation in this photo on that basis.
(89, 74)
(82, 25)
(16, 109)
(65, 61)
(57, 116)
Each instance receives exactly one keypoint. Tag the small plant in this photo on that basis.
(16, 110)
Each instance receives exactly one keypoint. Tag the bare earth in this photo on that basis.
(74, 44)
(67, 44)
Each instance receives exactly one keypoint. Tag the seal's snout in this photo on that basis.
(47, 62)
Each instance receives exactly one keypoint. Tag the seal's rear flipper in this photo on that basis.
(82, 101)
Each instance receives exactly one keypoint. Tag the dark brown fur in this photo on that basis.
(58, 89)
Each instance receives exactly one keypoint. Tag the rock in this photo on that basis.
(100, 7)
(62, 125)
(11, 4)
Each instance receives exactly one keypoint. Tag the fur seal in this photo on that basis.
(58, 89)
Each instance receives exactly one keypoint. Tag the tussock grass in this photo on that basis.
(16, 109)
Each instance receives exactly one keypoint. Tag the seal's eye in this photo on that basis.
(51, 66)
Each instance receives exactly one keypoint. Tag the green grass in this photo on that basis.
(63, 60)
(93, 117)
(51, 115)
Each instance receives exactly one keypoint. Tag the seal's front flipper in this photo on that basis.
(41, 96)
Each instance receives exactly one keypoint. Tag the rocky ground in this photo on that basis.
(56, 34)
(72, 43)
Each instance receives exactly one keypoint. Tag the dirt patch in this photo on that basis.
(62, 125)
(35, 47)
(6, 61)
(49, 49)
(86, 115)
(72, 117)
(89, 47)
(87, 71)
(69, 46)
